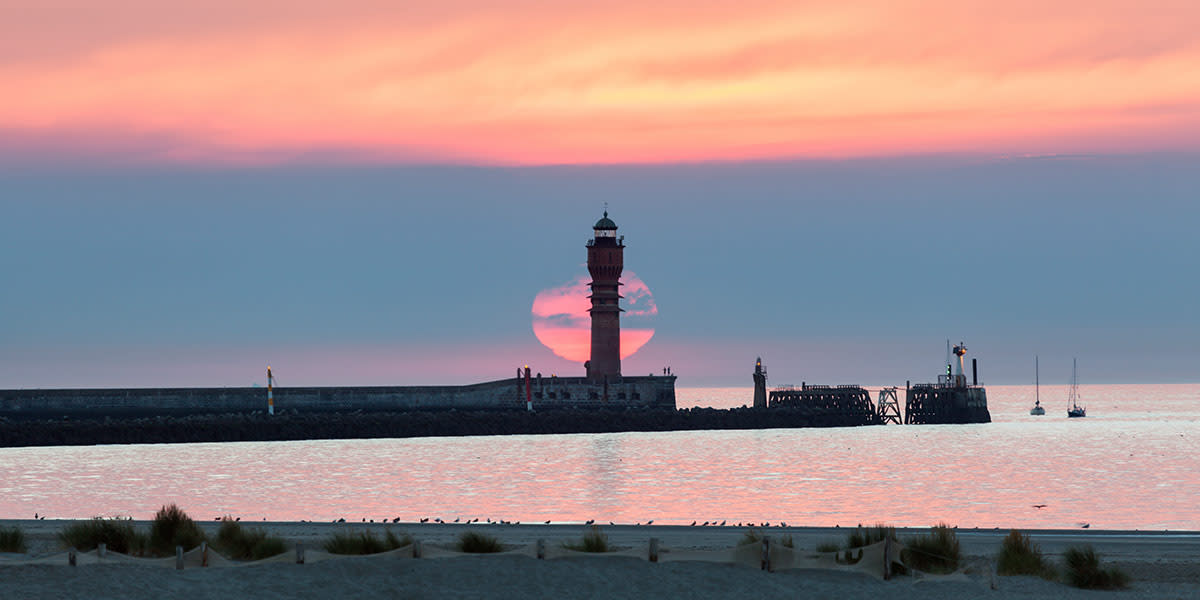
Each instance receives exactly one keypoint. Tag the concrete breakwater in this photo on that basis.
(505, 394)
(287, 425)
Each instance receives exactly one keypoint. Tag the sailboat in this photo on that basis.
(1075, 410)
(1037, 409)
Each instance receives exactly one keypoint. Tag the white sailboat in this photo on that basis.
(1075, 410)
(1037, 409)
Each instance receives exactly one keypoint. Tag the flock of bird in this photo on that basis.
(589, 522)
(437, 520)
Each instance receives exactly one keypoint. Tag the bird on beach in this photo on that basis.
(547, 521)
(1086, 525)
(455, 519)
(693, 523)
(1039, 506)
(590, 522)
(722, 523)
(650, 521)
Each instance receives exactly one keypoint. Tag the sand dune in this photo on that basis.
(1161, 565)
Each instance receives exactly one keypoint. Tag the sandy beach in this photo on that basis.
(1160, 565)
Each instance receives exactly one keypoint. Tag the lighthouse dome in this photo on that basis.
(605, 223)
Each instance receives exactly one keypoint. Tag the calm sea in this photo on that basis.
(1133, 463)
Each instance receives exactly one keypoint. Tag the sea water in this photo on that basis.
(1132, 463)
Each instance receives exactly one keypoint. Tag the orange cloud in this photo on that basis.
(526, 82)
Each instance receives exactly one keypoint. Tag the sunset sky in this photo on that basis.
(375, 192)
(535, 82)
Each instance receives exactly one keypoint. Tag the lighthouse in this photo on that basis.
(605, 260)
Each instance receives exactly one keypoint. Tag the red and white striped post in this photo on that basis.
(528, 391)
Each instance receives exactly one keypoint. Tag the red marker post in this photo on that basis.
(270, 392)
(528, 391)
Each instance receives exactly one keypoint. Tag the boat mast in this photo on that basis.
(1074, 383)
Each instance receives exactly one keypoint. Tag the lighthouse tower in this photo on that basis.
(605, 260)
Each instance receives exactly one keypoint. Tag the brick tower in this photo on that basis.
(605, 259)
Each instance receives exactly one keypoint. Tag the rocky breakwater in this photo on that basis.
(289, 425)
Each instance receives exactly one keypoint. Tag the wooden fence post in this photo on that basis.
(766, 553)
(417, 549)
(101, 550)
(204, 554)
(71, 557)
(653, 550)
(179, 558)
(541, 549)
(887, 557)
(299, 553)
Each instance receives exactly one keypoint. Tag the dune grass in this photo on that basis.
(172, 527)
(246, 544)
(937, 552)
(828, 546)
(593, 541)
(1019, 555)
(751, 536)
(365, 542)
(865, 536)
(117, 535)
(1083, 571)
(787, 541)
(478, 543)
(12, 539)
